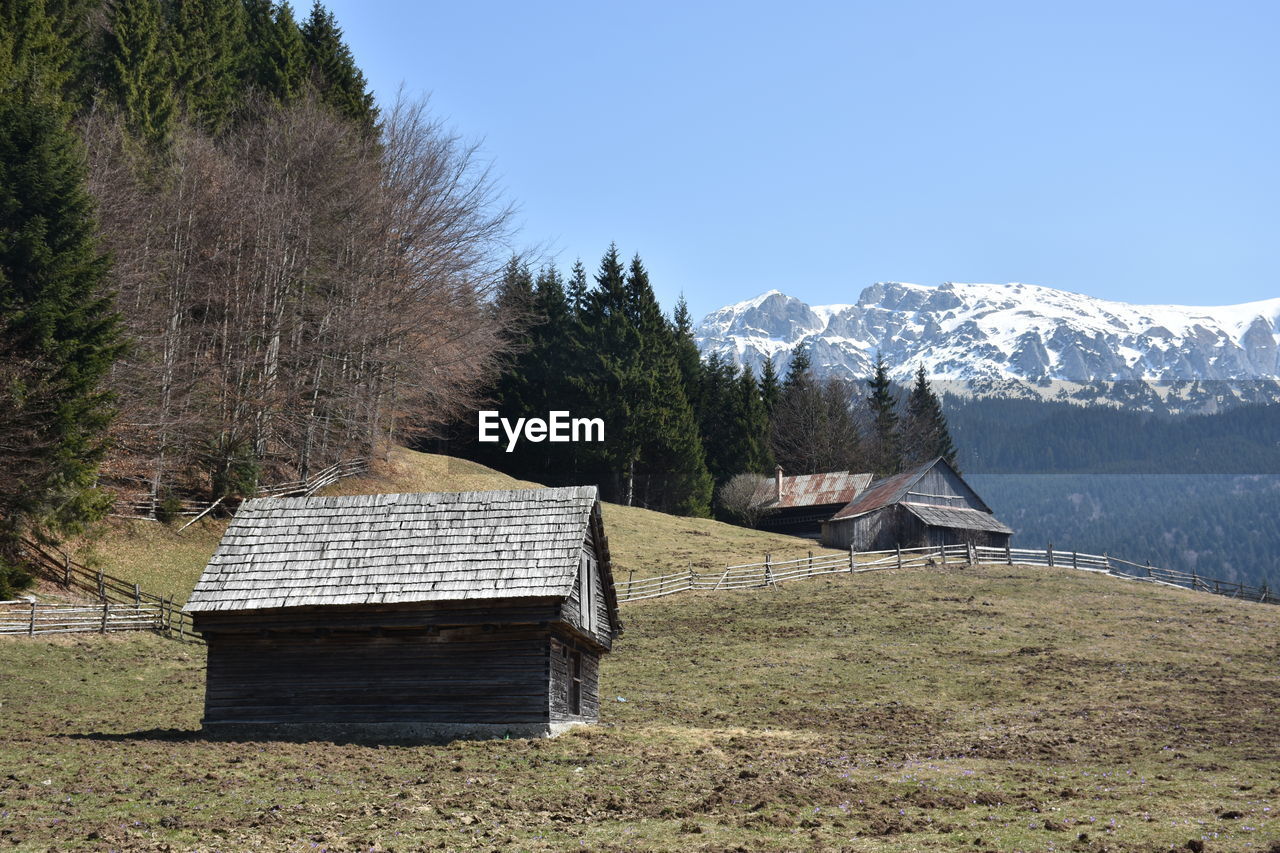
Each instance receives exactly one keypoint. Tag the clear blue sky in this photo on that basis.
(1128, 151)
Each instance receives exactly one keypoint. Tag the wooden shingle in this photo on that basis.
(406, 548)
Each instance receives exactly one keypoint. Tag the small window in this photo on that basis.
(575, 684)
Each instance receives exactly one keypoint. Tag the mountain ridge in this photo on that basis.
(1017, 339)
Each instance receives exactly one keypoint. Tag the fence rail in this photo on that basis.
(33, 617)
(147, 507)
(770, 572)
(112, 592)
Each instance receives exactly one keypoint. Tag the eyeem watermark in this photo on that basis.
(558, 426)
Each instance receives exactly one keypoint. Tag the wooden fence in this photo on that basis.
(146, 509)
(772, 572)
(32, 617)
(123, 605)
(166, 616)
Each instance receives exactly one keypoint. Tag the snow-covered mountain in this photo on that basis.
(1018, 339)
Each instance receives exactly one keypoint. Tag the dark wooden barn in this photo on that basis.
(475, 614)
(798, 505)
(928, 505)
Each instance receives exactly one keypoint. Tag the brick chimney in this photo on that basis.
(777, 481)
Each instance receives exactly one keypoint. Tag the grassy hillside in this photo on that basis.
(984, 709)
(645, 543)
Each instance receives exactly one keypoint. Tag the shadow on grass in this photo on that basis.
(260, 736)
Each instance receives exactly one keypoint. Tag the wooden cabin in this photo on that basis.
(415, 616)
(798, 505)
(928, 505)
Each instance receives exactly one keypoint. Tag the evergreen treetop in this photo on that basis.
(338, 80)
(886, 454)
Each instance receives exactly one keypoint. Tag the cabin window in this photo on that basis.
(586, 599)
(575, 683)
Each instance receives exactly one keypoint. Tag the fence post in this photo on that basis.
(31, 631)
(811, 562)
(971, 551)
(1149, 574)
(102, 592)
(103, 628)
(1008, 554)
(851, 559)
(66, 569)
(898, 549)
(691, 576)
(1194, 579)
(137, 597)
(1075, 559)
(942, 552)
(768, 569)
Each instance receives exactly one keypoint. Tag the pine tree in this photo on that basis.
(630, 378)
(604, 379)
(687, 355)
(924, 433)
(276, 62)
(208, 47)
(798, 418)
(59, 334)
(671, 455)
(551, 360)
(770, 389)
(36, 60)
(753, 425)
(800, 368)
(138, 71)
(578, 288)
(514, 395)
(334, 74)
(886, 454)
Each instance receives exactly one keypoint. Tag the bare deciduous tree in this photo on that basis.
(742, 497)
(296, 293)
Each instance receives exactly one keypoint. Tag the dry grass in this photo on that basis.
(993, 708)
(643, 543)
(984, 709)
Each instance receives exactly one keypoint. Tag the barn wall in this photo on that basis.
(893, 526)
(561, 649)
(942, 487)
(465, 674)
(875, 531)
(571, 611)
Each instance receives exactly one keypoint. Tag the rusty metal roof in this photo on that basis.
(884, 492)
(831, 487)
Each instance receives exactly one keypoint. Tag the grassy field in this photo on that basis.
(997, 708)
(644, 543)
(978, 709)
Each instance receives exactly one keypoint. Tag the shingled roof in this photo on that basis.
(397, 549)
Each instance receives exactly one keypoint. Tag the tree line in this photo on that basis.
(219, 261)
(678, 427)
